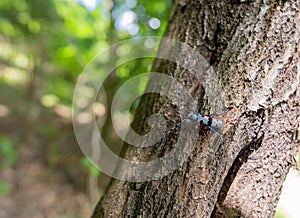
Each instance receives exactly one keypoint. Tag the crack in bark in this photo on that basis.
(242, 157)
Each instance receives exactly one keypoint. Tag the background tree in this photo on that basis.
(253, 46)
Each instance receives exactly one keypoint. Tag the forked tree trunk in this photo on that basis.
(253, 47)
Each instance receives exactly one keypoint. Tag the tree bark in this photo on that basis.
(253, 46)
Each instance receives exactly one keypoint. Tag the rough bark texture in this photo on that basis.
(253, 47)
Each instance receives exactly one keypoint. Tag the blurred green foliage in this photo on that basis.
(90, 168)
(8, 156)
(44, 47)
(279, 214)
(52, 41)
(8, 153)
(5, 188)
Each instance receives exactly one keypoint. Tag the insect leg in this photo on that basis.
(217, 133)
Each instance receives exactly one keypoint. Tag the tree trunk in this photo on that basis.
(253, 48)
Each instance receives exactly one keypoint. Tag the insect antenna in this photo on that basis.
(218, 112)
(171, 130)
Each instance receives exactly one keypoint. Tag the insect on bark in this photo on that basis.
(204, 121)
